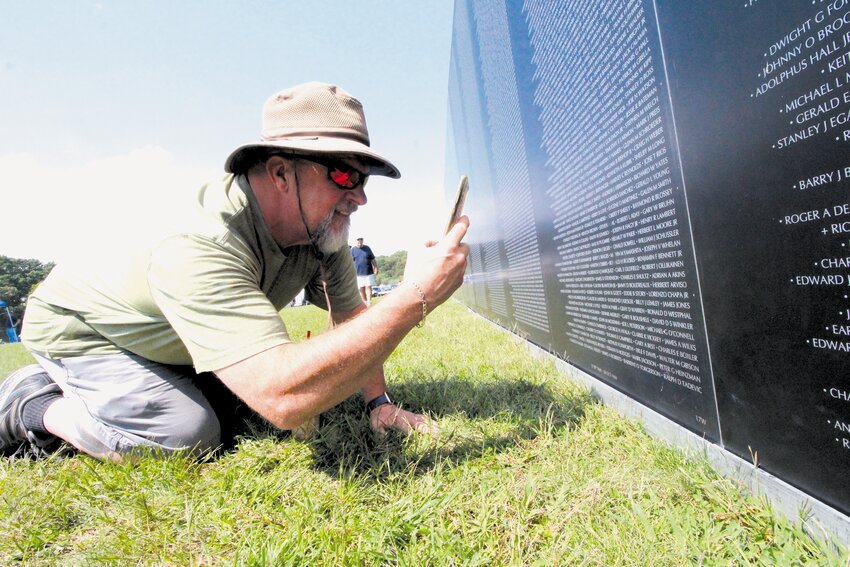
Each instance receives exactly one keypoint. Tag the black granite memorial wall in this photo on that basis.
(660, 195)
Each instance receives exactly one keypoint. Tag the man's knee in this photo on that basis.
(126, 403)
(199, 432)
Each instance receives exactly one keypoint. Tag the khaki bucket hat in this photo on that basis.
(314, 118)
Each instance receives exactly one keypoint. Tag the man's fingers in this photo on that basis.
(403, 420)
(458, 231)
(417, 422)
(427, 426)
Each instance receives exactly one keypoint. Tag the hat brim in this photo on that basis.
(379, 165)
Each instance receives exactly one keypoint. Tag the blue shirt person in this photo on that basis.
(366, 267)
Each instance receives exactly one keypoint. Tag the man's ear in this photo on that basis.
(279, 171)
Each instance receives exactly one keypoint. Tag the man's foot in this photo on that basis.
(16, 391)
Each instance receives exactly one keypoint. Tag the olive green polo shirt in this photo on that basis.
(205, 292)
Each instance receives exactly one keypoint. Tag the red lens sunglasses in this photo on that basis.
(344, 176)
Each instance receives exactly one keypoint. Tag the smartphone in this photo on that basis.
(460, 199)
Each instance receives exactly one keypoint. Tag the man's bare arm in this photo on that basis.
(291, 383)
(375, 384)
(389, 415)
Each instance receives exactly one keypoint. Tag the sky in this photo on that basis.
(109, 110)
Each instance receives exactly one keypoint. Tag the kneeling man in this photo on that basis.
(120, 342)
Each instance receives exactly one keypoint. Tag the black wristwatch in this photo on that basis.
(381, 400)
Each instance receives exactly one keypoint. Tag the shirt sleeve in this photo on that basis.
(212, 298)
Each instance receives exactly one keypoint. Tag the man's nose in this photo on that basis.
(357, 196)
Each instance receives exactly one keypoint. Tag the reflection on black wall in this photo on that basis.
(668, 210)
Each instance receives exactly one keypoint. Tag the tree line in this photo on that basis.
(391, 268)
(18, 278)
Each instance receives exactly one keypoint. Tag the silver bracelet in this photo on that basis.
(424, 304)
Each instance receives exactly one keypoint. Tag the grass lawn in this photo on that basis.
(528, 470)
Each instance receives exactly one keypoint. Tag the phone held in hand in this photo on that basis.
(460, 200)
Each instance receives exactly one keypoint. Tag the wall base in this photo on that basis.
(818, 519)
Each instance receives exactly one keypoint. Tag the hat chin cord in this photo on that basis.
(318, 253)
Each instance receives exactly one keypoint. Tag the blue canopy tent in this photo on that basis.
(11, 333)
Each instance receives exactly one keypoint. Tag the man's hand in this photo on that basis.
(439, 267)
(392, 416)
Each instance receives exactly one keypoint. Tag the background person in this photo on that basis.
(120, 344)
(366, 267)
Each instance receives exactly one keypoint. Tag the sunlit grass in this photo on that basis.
(12, 357)
(528, 470)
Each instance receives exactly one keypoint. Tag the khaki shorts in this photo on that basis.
(132, 402)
